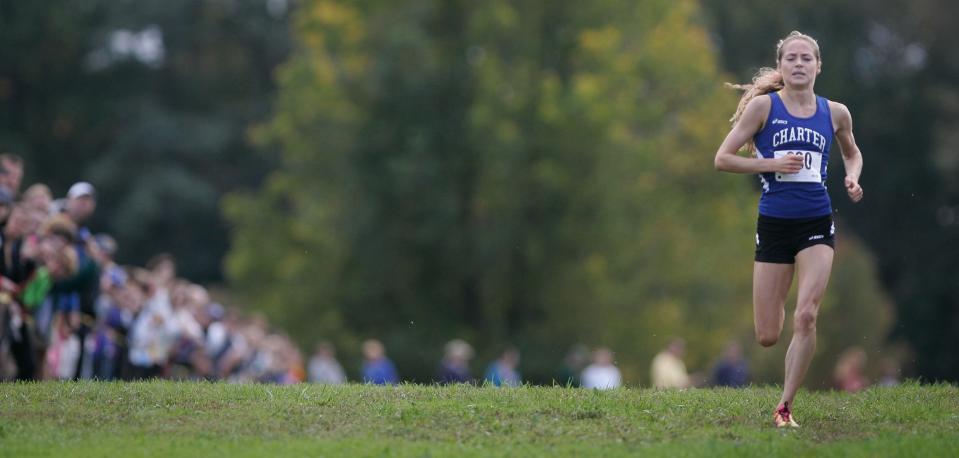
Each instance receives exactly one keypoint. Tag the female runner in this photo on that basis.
(790, 129)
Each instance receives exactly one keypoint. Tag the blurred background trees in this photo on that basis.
(535, 173)
(150, 101)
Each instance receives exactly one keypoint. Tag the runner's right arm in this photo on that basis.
(749, 123)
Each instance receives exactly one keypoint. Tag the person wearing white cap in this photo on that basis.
(81, 202)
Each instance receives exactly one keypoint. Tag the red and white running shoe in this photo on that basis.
(783, 417)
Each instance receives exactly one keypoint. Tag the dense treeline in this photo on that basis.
(536, 174)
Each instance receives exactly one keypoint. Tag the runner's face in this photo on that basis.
(799, 64)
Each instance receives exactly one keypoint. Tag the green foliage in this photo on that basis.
(539, 174)
(160, 135)
(186, 419)
(449, 182)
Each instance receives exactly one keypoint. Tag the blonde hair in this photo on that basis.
(38, 189)
(59, 225)
(768, 79)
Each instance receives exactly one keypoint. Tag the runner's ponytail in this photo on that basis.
(766, 80)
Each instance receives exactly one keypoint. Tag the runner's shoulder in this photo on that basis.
(840, 113)
(760, 102)
(838, 109)
(757, 110)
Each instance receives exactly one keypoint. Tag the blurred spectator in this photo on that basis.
(668, 369)
(454, 368)
(39, 197)
(17, 267)
(248, 358)
(162, 268)
(732, 370)
(64, 351)
(293, 360)
(11, 172)
(603, 373)
(573, 364)
(377, 368)
(888, 372)
(107, 245)
(228, 359)
(55, 235)
(849, 373)
(80, 206)
(216, 334)
(276, 361)
(23, 223)
(6, 205)
(154, 331)
(188, 359)
(286, 362)
(117, 307)
(109, 325)
(502, 372)
(112, 275)
(324, 368)
(81, 202)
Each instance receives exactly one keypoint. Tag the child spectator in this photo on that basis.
(377, 368)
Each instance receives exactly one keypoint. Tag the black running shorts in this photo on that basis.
(779, 239)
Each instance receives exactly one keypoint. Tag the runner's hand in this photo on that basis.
(790, 163)
(853, 189)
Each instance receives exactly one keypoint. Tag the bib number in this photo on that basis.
(811, 166)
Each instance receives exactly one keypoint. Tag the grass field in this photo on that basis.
(198, 419)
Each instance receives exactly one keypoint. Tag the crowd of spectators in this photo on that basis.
(69, 311)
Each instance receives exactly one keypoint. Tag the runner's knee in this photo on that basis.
(805, 322)
(766, 338)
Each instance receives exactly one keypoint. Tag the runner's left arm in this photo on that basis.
(851, 156)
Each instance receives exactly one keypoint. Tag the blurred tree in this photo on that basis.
(149, 100)
(538, 173)
(897, 71)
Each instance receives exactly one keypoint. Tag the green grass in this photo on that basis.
(198, 419)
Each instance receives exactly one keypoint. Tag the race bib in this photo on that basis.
(811, 166)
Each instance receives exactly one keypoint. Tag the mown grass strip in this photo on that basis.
(187, 419)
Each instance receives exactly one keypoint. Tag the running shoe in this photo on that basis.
(783, 417)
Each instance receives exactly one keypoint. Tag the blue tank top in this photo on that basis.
(802, 194)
